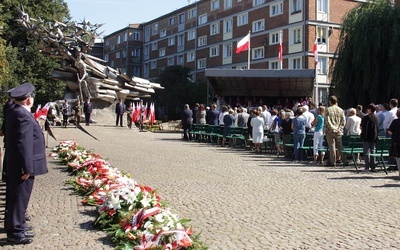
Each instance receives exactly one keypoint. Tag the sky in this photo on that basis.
(118, 14)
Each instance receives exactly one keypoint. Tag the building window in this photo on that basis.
(276, 9)
(202, 41)
(273, 65)
(258, 2)
(214, 5)
(112, 64)
(202, 19)
(181, 18)
(295, 6)
(242, 19)
(125, 37)
(136, 36)
(171, 41)
(179, 60)
(296, 36)
(214, 28)
(118, 39)
(214, 51)
(191, 35)
(107, 42)
(181, 39)
(106, 57)
(155, 29)
(146, 51)
(201, 63)
(227, 4)
(154, 46)
(171, 21)
(135, 53)
(322, 34)
(258, 53)
(295, 63)
(258, 25)
(228, 25)
(161, 52)
(163, 33)
(227, 50)
(171, 61)
(322, 66)
(191, 56)
(123, 54)
(153, 65)
(274, 38)
(192, 13)
(146, 69)
(118, 55)
(322, 6)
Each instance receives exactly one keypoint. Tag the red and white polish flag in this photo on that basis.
(243, 44)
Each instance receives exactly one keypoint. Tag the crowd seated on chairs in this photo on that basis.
(313, 148)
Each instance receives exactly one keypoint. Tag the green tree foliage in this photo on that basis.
(25, 61)
(179, 90)
(368, 55)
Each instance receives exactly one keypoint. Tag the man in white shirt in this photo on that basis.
(352, 123)
(265, 114)
(309, 117)
(391, 115)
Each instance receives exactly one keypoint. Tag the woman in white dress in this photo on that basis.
(257, 124)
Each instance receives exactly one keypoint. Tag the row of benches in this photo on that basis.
(238, 136)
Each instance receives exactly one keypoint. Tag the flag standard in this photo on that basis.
(243, 44)
(280, 53)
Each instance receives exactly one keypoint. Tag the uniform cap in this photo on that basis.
(23, 91)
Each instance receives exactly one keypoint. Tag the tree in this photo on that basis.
(179, 90)
(367, 62)
(25, 61)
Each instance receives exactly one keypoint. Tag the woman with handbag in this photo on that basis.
(394, 131)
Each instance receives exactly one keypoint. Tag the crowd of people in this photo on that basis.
(297, 119)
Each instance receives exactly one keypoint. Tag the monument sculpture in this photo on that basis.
(85, 75)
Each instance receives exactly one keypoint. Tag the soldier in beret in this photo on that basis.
(25, 139)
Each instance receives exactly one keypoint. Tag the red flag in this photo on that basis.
(136, 113)
(37, 112)
(152, 117)
(315, 51)
(45, 110)
(243, 44)
(280, 52)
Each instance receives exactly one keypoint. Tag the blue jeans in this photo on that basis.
(369, 148)
(298, 142)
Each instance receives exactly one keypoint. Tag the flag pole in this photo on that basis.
(316, 77)
(248, 53)
(280, 44)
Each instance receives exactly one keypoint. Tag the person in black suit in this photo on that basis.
(213, 115)
(25, 139)
(187, 120)
(119, 111)
(87, 109)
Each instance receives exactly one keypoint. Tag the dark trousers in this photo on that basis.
(18, 193)
(186, 128)
(65, 120)
(87, 119)
(119, 120)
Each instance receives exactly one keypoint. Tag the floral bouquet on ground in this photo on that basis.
(132, 213)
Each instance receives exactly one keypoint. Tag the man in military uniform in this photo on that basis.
(25, 139)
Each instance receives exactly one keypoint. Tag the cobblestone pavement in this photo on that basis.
(235, 198)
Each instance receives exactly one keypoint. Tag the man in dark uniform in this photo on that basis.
(7, 106)
(25, 139)
(119, 112)
(87, 109)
